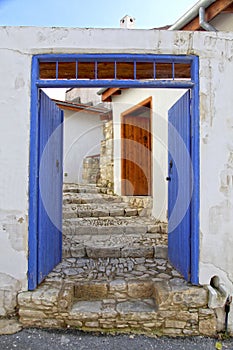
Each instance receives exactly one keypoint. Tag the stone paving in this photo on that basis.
(115, 275)
(79, 269)
(98, 225)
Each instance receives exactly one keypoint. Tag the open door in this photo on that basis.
(50, 186)
(136, 150)
(179, 186)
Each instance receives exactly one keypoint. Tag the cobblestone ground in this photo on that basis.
(82, 269)
(34, 339)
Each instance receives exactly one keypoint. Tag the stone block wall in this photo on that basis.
(106, 159)
(9, 288)
(167, 308)
(91, 169)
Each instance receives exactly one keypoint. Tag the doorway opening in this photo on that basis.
(136, 140)
(112, 73)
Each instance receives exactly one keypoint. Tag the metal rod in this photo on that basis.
(114, 58)
(135, 70)
(76, 70)
(56, 69)
(96, 70)
(154, 69)
(115, 70)
(115, 83)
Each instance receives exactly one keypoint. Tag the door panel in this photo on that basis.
(50, 186)
(180, 185)
(136, 155)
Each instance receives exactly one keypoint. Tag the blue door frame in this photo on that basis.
(36, 83)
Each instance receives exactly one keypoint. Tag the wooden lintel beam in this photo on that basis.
(212, 11)
(105, 117)
(76, 109)
(106, 96)
(229, 9)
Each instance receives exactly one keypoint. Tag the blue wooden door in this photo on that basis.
(179, 185)
(50, 186)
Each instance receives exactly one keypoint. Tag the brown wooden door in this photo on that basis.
(136, 153)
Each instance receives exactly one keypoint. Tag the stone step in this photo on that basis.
(103, 226)
(97, 315)
(87, 198)
(79, 188)
(117, 289)
(98, 210)
(97, 251)
(160, 304)
(110, 299)
(112, 226)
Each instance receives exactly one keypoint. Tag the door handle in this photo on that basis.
(170, 165)
(168, 178)
(57, 164)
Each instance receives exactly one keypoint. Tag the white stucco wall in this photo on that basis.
(17, 45)
(162, 100)
(85, 95)
(83, 133)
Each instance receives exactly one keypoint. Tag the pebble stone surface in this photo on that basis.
(81, 269)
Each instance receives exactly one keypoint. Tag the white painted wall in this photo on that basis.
(162, 100)
(86, 95)
(83, 133)
(17, 45)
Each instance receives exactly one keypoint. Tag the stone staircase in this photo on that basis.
(115, 275)
(97, 225)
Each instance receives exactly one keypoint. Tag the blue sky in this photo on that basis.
(91, 13)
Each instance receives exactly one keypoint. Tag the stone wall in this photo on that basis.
(106, 159)
(9, 287)
(155, 308)
(91, 169)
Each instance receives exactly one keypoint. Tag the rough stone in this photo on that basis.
(172, 331)
(140, 290)
(116, 212)
(92, 324)
(131, 212)
(9, 288)
(78, 252)
(103, 252)
(174, 324)
(146, 252)
(90, 291)
(192, 297)
(134, 306)
(93, 307)
(208, 327)
(117, 285)
(10, 326)
(30, 313)
(161, 251)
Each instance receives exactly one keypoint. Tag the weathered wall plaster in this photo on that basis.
(17, 45)
(83, 133)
